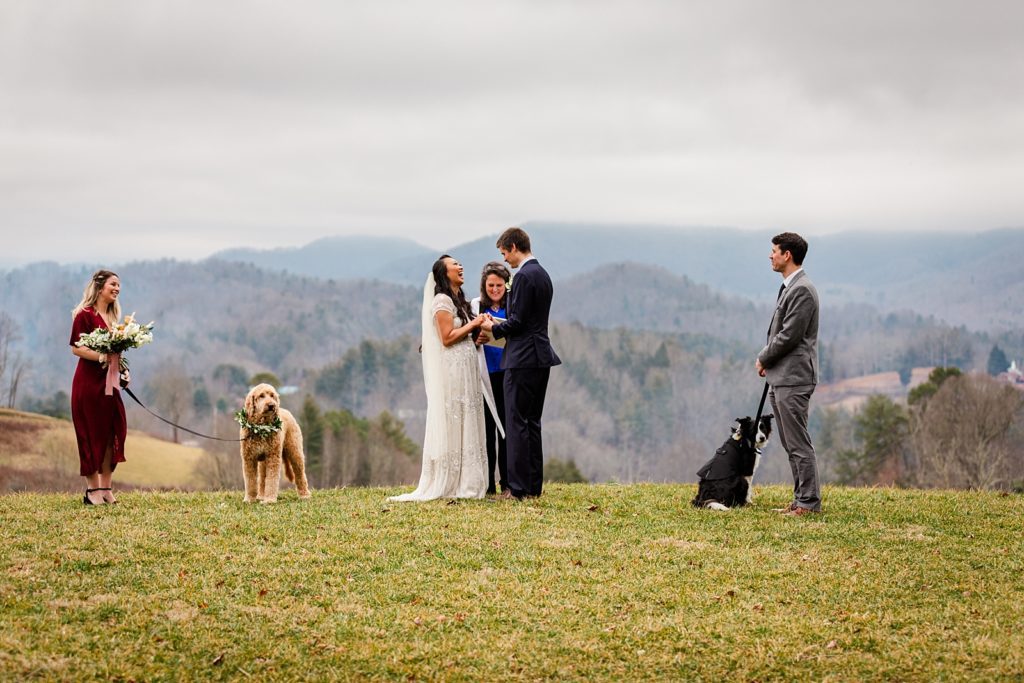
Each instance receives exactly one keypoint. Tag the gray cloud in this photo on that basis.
(183, 127)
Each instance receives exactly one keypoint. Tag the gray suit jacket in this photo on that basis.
(790, 357)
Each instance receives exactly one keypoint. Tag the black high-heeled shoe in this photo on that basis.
(85, 498)
(105, 501)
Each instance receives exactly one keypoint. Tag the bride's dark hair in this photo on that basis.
(443, 286)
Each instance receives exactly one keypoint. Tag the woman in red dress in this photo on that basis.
(100, 423)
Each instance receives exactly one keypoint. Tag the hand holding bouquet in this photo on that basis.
(114, 342)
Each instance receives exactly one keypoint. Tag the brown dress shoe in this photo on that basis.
(505, 495)
(799, 512)
(788, 508)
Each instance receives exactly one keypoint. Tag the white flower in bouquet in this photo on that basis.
(122, 337)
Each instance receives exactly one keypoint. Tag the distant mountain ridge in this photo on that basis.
(961, 278)
(336, 258)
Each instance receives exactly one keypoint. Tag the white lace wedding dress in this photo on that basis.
(454, 446)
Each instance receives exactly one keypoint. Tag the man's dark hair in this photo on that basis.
(794, 244)
(514, 237)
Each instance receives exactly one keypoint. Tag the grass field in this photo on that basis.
(40, 452)
(587, 583)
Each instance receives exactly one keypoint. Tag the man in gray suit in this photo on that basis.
(790, 362)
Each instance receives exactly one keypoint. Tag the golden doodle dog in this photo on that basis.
(265, 449)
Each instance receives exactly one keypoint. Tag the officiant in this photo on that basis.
(493, 298)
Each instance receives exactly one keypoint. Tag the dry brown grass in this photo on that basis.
(40, 453)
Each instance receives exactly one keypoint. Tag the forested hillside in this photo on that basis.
(655, 368)
(207, 314)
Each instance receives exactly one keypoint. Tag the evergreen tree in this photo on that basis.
(936, 377)
(997, 361)
(233, 376)
(564, 471)
(880, 428)
(201, 400)
(312, 424)
(265, 378)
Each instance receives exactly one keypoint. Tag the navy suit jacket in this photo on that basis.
(526, 329)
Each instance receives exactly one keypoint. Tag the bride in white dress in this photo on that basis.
(454, 445)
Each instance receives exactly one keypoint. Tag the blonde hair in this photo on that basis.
(92, 294)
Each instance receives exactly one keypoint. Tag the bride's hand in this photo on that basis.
(478, 321)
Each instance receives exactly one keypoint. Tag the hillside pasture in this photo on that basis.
(40, 453)
(589, 582)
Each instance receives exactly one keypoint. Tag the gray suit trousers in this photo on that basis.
(791, 406)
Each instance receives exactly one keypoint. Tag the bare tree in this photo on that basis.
(960, 437)
(222, 467)
(9, 332)
(11, 365)
(172, 393)
(16, 372)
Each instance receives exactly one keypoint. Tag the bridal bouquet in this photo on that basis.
(114, 342)
(124, 336)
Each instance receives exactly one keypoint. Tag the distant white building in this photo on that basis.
(1013, 376)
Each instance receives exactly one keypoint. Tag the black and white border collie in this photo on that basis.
(725, 479)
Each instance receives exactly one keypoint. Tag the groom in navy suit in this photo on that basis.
(527, 362)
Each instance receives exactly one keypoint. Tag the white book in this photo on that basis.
(499, 343)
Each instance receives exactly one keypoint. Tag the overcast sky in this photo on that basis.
(138, 129)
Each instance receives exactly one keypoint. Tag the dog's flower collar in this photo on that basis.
(258, 431)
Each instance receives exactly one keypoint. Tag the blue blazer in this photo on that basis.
(526, 329)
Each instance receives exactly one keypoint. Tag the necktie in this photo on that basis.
(782, 289)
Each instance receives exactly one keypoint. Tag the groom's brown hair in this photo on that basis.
(514, 236)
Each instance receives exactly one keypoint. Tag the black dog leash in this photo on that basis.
(205, 436)
(760, 406)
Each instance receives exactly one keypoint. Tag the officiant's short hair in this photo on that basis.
(516, 236)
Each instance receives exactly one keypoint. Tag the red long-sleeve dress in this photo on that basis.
(99, 419)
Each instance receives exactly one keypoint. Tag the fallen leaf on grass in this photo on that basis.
(263, 592)
(218, 660)
(594, 508)
(832, 645)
